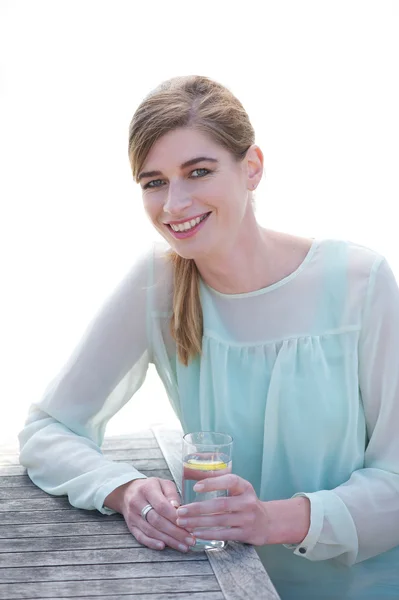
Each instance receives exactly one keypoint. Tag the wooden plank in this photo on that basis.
(167, 569)
(144, 434)
(55, 516)
(170, 442)
(128, 443)
(46, 502)
(19, 492)
(27, 489)
(150, 596)
(49, 549)
(133, 454)
(15, 481)
(144, 585)
(76, 542)
(237, 567)
(166, 596)
(148, 464)
(101, 527)
(241, 574)
(102, 556)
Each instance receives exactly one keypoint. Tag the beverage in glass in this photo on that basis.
(205, 454)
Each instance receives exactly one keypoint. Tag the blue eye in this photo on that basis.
(155, 183)
(148, 185)
(203, 174)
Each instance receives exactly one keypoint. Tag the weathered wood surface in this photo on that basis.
(20, 486)
(49, 549)
(237, 567)
(145, 588)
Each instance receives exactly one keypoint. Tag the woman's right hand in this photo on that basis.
(160, 529)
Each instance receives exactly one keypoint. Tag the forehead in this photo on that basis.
(177, 146)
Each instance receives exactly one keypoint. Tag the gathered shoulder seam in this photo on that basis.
(208, 333)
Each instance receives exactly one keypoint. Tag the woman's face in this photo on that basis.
(195, 193)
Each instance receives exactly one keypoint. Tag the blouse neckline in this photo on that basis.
(273, 286)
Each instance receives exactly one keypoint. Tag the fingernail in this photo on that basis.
(190, 541)
(198, 487)
(175, 503)
(181, 522)
(197, 533)
(183, 548)
(181, 511)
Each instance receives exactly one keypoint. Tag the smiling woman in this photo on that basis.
(289, 345)
(202, 213)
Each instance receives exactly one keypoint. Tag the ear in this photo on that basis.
(254, 161)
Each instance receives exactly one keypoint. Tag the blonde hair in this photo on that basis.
(202, 104)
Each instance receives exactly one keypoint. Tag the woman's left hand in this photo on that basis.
(241, 516)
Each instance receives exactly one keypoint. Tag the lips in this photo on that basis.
(192, 230)
(184, 222)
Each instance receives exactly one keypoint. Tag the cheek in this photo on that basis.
(152, 206)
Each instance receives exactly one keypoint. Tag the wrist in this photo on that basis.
(115, 499)
(288, 520)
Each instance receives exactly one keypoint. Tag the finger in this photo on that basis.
(170, 492)
(224, 520)
(173, 532)
(157, 499)
(146, 540)
(233, 483)
(145, 531)
(231, 534)
(210, 507)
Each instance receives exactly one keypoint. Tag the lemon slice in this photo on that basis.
(205, 465)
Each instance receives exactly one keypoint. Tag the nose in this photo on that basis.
(177, 200)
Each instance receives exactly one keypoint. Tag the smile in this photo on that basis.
(187, 225)
(189, 228)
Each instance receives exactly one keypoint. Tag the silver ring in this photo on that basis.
(145, 511)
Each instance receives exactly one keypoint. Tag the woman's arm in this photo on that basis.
(360, 518)
(60, 443)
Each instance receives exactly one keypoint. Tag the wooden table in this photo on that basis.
(49, 549)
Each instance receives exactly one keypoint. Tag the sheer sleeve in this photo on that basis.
(360, 518)
(60, 442)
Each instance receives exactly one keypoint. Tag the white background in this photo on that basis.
(318, 79)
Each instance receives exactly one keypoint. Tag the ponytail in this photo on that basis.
(187, 321)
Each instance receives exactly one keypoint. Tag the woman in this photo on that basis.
(288, 344)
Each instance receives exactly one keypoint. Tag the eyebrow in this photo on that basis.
(188, 163)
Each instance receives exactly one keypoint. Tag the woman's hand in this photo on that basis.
(243, 517)
(160, 529)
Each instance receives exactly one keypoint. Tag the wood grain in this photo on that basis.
(98, 556)
(76, 572)
(163, 596)
(54, 516)
(165, 587)
(74, 542)
(100, 527)
(51, 550)
(26, 489)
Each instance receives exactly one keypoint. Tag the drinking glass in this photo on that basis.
(205, 454)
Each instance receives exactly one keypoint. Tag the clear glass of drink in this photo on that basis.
(205, 454)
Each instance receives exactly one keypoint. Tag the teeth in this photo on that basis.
(188, 224)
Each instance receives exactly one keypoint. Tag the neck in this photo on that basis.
(242, 268)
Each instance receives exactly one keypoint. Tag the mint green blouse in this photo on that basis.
(304, 374)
